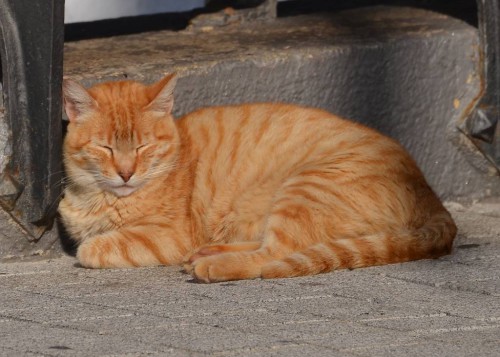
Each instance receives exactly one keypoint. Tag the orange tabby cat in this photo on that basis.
(245, 191)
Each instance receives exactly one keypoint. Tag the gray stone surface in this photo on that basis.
(14, 242)
(445, 307)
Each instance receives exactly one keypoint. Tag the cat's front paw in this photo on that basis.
(190, 261)
(104, 253)
(206, 269)
(224, 267)
(87, 256)
(222, 262)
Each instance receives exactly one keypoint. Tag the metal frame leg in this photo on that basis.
(31, 52)
(482, 125)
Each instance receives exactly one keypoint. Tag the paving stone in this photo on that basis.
(26, 336)
(448, 344)
(200, 338)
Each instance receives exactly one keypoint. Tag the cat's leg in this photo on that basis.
(294, 223)
(237, 265)
(291, 228)
(213, 249)
(133, 247)
(229, 266)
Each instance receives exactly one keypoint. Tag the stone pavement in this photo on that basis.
(445, 307)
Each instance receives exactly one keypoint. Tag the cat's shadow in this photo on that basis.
(68, 245)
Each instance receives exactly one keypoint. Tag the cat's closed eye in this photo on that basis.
(141, 148)
(107, 148)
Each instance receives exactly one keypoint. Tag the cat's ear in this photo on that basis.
(77, 101)
(162, 93)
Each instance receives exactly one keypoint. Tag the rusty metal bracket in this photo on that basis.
(31, 53)
(482, 126)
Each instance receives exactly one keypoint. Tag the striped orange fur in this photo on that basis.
(238, 192)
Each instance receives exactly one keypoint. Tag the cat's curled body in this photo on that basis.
(238, 192)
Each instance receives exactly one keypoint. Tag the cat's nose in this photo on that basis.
(125, 175)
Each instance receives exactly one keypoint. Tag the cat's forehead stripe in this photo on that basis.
(120, 105)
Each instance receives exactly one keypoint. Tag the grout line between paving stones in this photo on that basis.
(423, 332)
(273, 348)
(370, 347)
(411, 317)
(443, 285)
(16, 352)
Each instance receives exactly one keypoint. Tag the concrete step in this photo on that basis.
(410, 73)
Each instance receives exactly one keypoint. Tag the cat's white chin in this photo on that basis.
(123, 191)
